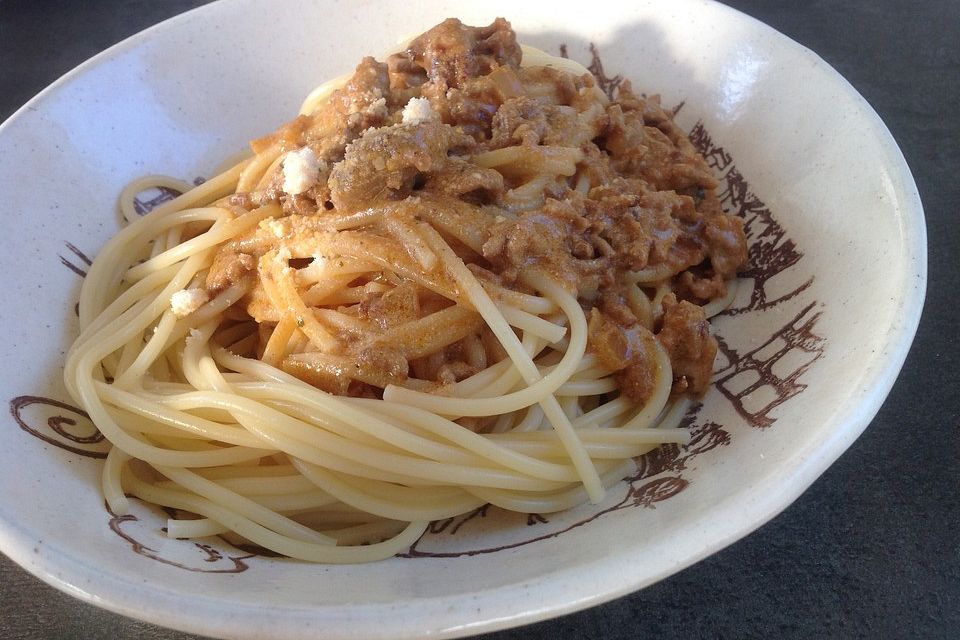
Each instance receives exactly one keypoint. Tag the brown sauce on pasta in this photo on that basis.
(518, 168)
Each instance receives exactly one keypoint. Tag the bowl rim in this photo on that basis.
(208, 616)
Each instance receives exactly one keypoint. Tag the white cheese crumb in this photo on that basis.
(418, 110)
(278, 228)
(186, 301)
(301, 170)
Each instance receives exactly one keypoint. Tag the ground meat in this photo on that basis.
(393, 308)
(299, 204)
(650, 148)
(726, 244)
(699, 286)
(638, 226)
(685, 334)
(614, 305)
(642, 151)
(528, 121)
(471, 108)
(451, 372)
(650, 228)
(595, 166)
(654, 115)
(546, 239)
(451, 52)
(386, 163)
(241, 200)
(625, 351)
(467, 181)
(465, 72)
(518, 121)
(364, 101)
(228, 267)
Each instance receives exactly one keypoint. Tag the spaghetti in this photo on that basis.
(465, 276)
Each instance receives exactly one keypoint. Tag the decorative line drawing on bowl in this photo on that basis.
(770, 252)
(211, 556)
(84, 432)
(144, 205)
(77, 269)
(796, 336)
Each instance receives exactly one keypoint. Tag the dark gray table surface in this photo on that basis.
(872, 549)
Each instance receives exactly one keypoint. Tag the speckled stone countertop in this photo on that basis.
(872, 549)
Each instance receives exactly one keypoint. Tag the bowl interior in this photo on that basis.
(809, 349)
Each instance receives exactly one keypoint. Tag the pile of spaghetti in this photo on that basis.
(463, 276)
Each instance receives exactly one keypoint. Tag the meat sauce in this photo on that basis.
(643, 199)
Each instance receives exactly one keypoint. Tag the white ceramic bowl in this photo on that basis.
(817, 337)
